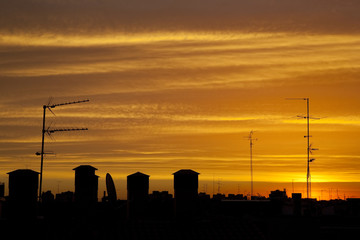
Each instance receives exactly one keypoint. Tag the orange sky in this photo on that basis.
(180, 85)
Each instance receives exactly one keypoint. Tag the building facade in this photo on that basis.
(86, 184)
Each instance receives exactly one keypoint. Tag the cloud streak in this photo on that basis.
(89, 17)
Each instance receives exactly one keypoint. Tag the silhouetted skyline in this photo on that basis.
(159, 215)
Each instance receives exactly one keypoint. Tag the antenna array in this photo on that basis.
(50, 131)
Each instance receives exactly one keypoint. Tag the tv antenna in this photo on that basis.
(49, 131)
(251, 140)
(309, 146)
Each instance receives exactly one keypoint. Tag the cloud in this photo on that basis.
(88, 17)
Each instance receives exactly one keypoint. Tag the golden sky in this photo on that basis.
(180, 84)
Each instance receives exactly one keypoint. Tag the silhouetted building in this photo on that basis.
(2, 199)
(296, 196)
(23, 192)
(354, 206)
(204, 196)
(23, 186)
(164, 195)
(186, 192)
(219, 196)
(65, 197)
(278, 195)
(138, 192)
(236, 197)
(279, 203)
(47, 197)
(86, 184)
(138, 186)
(257, 198)
(186, 184)
(2, 190)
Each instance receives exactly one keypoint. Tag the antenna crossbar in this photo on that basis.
(296, 98)
(66, 130)
(68, 103)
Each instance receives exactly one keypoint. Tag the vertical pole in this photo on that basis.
(42, 152)
(213, 184)
(308, 183)
(251, 168)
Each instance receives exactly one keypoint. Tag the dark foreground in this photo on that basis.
(210, 220)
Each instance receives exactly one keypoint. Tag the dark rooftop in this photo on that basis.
(85, 167)
(138, 174)
(186, 172)
(23, 171)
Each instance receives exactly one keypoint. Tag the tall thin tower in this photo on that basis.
(251, 140)
(308, 176)
(309, 146)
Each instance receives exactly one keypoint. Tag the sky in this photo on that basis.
(178, 84)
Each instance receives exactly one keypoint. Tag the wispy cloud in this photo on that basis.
(89, 17)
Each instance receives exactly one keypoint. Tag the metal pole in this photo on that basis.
(42, 151)
(308, 183)
(308, 175)
(251, 168)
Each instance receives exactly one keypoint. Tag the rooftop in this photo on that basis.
(82, 167)
(186, 172)
(138, 174)
(23, 172)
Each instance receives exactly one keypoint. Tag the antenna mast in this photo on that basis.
(309, 146)
(48, 106)
(308, 176)
(251, 140)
